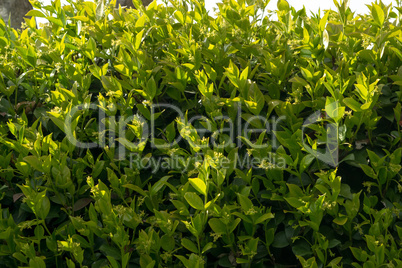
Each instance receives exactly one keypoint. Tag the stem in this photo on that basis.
(357, 129)
(16, 98)
(370, 137)
(199, 246)
(301, 182)
(44, 226)
(91, 241)
(380, 188)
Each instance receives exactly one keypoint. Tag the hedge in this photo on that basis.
(170, 136)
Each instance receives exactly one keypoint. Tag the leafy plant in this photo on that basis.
(167, 137)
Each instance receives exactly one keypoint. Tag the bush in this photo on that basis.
(167, 137)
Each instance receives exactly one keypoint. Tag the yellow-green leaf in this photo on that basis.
(341, 220)
(283, 5)
(378, 15)
(199, 185)
(194, 200)
(36, 13)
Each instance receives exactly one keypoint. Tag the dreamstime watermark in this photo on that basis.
(177, 162)
(112, 132)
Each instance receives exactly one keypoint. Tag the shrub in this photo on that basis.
(168, 137)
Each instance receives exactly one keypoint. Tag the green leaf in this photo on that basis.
(325, 39)
(113, 262)
(194, 200)
(167, 242)
(295, 191)
(299, 81)
(100, 10)
(19, 256)
(280, 240)
(323, 22)
(359, 254)
(34, 162)
(397, 113)
(185, 262)
(158, 185)
(56, 21)
(340, 220)
(199, 185)
(110, 251)
(352, 104)
(188, 244)
(39, 232)
(264, 217)
(301, 248)
(138, 40)
(151, 88)
(306, 73)
(80, 18)
(133, 147)
(198, 223)
(245, 202)
(399, 230)
(37, 262)
(179, 16)
(35, 13)
(170, 131)
(98, 168)
(241, 260)
(295, 202)
(234, 224)
(136, 189)
(256, 99)
(333, 109)
(363, 91)
(81, 203)
(378, 15)
(233, 74)
(141, 21)
(283, 5)
(366, 106)
(306, 162)
(217, 226)
(368, 171)
(207, 247)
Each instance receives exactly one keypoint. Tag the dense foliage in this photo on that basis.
(170, 137)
